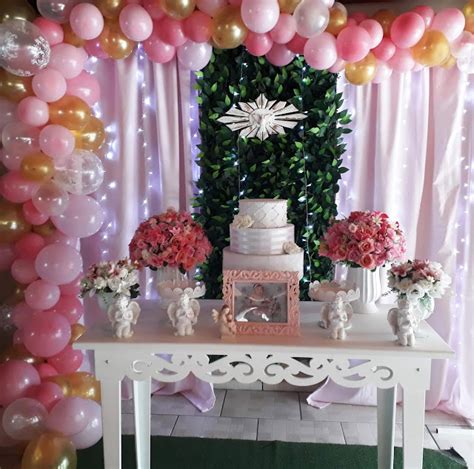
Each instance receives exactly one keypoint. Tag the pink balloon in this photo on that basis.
(402, 61)
(17, 337)
(211, 7)
(83, 217)
(41, 295)
(297, 44)
(56, 141)
(320, 51)
(153, 8)
(29, 245)
(7, 256)
(71, 289)
(198, 26)
(353, 43)
(61, 238)
(280, 55)
(49, 85)
(69, 416)
(51, 199)
(67, 361)
(20, 138)
(358, 16)
(407, 29)
(426, 12)
(5, 440)
(33, 215)
(33, 111)
(84, 86)
(170, 31)
(385, 50)
(21, 314)
(92, 433)
(46, 393)
(194, 55)
(11, 161)
(46, 334)
(7, 112)
(16, 188)
(258, 44)
(58, 263)
(94, 48)
(235, 3)
(136, 23)
(451, 22)
(285, 29)
(260, 16)
(67, 59)
(45, 371)
(24, 419)
(23, 271)
(158, 51)
(375, 30)
(463, 46)
(16, 377)
(86, 21)
(70, 307)
(51, 31)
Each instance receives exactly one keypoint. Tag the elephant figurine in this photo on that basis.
(404, 322)
(336, 317)
(183, 314)
(122, 314)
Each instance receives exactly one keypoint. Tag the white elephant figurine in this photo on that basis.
(404, 323)
(183, 314)
(122, 314)
(336, 317)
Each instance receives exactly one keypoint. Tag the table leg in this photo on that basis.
(385, 427)
(142, 411)
(112, 422)
(413, 427)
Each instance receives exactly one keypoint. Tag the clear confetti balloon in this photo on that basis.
(56, 10)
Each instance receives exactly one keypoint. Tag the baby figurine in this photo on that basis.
(224, 317)
(183, 315)
(336, 317)
(122, 314)
(403, 322)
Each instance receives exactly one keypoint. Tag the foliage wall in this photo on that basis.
(303, 166)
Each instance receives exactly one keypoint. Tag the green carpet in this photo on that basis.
(204, 453)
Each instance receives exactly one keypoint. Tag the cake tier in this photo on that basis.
(276, 263)
(265, 213)
(260, 241)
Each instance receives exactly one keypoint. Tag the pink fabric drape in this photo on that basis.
(410, 154)
(148, 168)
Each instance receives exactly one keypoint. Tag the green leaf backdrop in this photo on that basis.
(303, 166)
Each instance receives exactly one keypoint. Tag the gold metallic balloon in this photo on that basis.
(19, 352)
(229, 29)
(49, 450)
(178, 9)
(337, 21)
(469, 24)
(450, 62)
(70, 37)
(468, 9)
(69, 111)
(385, 18)
(16, 10)
(12, 223)
(13, 87)
(78, 384)
(288, 6)
(92, 136)
(362, 72)
(46, 229)
(114, 42)
(37, 167)
(110, 8)
(77, 330)
(432, 50)
(17, 295)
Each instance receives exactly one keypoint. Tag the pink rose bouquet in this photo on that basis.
(364, 239)
(172, 239)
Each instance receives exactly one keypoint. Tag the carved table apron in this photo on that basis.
(370, 355)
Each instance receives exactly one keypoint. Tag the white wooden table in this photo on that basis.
(368, 356)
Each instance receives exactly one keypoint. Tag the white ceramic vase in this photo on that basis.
(369, 285)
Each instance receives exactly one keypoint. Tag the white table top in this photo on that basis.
(370, 334)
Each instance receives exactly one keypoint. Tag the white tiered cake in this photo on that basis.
(262, 239)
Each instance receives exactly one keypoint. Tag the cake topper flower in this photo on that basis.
(242, 221)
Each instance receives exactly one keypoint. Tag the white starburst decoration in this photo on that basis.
(262, 118)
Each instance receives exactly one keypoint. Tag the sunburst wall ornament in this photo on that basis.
(262, 118)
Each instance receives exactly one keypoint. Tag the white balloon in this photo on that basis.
(194, 55)
(312, 17)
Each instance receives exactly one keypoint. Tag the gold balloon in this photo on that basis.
(69, 111)
(468, 9)
(362, 72)
(110, 8)
(16, 10)
(450, 62)
(92, 136)
(469, 24)
(19, 352)
(12, 223)
(77, 330)
(78, 384)
(49, 450)
(46, 229)
(288, 6)
(13, 87)
(178, 9)
(337, 21)
(229, 29)
(71, 37)
(114, 42)
(37, 167)
(432, 50)
(385, 18)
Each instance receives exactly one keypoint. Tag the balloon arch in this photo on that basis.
(49, 137)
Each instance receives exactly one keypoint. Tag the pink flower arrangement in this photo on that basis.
(364, 239)
(172, 239)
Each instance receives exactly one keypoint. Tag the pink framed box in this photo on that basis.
(262, 302)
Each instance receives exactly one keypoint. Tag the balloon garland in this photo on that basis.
(50, 136)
